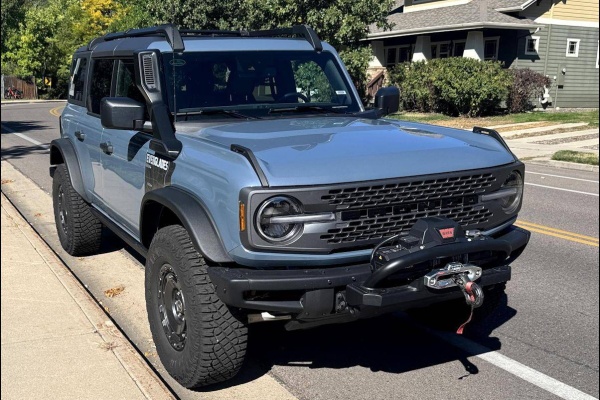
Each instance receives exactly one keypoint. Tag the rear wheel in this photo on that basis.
(79, 231)
(199, 340)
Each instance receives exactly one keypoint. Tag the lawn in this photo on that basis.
(576, 156)
(537, 118)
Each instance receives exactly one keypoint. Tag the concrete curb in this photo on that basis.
(564, 165)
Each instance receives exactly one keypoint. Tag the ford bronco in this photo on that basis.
(245, 170)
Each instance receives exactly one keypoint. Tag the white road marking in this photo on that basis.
(561, 176)
(23, 136)
(514, 367)
(505, 363)
(564, 190)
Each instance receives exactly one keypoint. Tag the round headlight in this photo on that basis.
(511, 203)
(279, 206)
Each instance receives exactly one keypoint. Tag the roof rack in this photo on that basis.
(167, 30)
(173, 35)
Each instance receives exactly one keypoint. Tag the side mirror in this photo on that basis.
(387, 99)
(122, 113)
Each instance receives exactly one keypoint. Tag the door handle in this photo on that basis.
(107, 147)
(80, 136)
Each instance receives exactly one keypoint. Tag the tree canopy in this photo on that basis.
(39, 37)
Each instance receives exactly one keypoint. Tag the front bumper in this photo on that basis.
(314, 295)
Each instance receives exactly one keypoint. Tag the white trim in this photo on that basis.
(431, 4)
(577, 42)
(517, 8)
(597, 54)
(551, 21)
(449, 28)
(536, 46)
(497, 39)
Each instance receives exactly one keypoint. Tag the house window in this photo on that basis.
(573, 47)
(404, 54)
(440, 50)
(458, 49)
(390, 59)
(490, 49)
(398, 54)
(532, 45)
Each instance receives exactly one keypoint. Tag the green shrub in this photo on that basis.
(527, 85)
(452, 86)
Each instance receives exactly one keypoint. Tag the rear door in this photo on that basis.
(76, 126)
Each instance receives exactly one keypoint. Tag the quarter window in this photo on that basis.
(573, 47)
(78, 77)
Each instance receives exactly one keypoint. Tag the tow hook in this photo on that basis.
(473, 295)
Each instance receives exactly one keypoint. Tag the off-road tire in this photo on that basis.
(215, 336)
(79, 231)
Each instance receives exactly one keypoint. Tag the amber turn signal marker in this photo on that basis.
(242, 217)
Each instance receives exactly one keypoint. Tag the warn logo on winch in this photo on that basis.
(446, 233)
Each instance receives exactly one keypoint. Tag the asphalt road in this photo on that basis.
(542, 343)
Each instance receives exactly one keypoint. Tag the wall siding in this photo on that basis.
(569, 10)
(581, 80)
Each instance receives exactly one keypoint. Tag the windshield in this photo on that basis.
(256, 83)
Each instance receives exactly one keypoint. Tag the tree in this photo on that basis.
(342, 23)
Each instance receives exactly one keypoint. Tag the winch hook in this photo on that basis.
(473, 295)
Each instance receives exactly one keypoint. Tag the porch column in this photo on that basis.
(378, 59)
(422, 49)
(474, 45)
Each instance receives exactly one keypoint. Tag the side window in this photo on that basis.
(312, 82)
(100, 85)
(78, 77)
(125, 82)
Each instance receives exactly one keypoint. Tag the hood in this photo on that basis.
(327, 150)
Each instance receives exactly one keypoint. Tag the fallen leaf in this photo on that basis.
(37, 215)
(114, 291)
(7, 181)
(108, 345)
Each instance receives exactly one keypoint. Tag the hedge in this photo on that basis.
(452, 86)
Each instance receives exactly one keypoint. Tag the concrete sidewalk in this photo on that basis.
(57, 343)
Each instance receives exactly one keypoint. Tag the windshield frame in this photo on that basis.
(351, 104)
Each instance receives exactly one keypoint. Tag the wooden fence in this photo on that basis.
(29, 89)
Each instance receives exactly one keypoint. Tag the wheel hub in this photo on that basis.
(171, 306)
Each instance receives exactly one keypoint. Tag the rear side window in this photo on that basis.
(100, 84)
(78, 77)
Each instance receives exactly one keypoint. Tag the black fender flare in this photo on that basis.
(193, 215)
(62, 151)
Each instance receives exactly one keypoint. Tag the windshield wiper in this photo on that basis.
(186, 112)
(308, 108)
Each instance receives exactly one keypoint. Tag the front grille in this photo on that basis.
(395, 193)
(380, 211)
(385, 226)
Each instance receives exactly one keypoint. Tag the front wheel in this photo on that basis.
(199, 340)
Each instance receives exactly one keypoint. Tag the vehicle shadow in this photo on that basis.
(16, 152)
(395, 343)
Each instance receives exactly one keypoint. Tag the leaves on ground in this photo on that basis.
(108, 345)
(113, 292)
(7, 181)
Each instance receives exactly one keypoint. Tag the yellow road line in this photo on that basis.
(55, 111)
(573, 237)
(559, 231)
